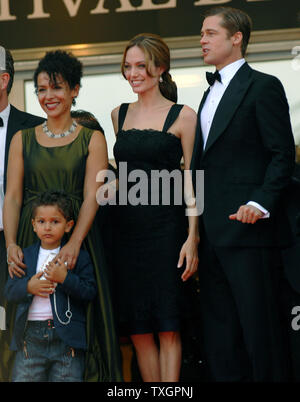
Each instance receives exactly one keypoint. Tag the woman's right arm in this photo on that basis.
(12, 205)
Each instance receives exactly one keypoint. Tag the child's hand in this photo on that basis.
(56, 272)
(38, 287)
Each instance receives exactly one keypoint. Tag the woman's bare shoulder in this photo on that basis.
(188, 112)
(115, 112)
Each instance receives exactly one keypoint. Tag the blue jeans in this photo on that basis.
(45, 357)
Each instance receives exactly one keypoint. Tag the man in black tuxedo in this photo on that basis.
(11, 120)
(244, 144)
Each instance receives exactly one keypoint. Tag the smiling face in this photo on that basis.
(219, 48)
(55, 98)
(136, 70)
(50, 225)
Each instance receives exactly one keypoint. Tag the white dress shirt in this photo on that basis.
(215, 94)
(210, 106)
(4, 115)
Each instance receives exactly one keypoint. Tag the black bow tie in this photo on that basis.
(1, 122)
(212, 77)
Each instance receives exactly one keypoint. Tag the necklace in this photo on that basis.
(61, 135)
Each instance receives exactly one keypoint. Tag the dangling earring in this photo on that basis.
(161, 79)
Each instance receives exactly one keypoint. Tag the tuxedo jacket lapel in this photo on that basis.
(229, 103)
(198, 146)
(15, 121)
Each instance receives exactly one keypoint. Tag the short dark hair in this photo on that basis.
(234, 20)
(57, 198)
(86, 119)
(9, 67)
(62, 63)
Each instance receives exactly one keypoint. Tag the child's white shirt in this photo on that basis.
(40, 308)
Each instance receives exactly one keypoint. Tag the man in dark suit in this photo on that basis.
(245, 146)
(11, 120)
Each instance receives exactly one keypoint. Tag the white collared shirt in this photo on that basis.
(210, 106)
(215, 94)
(3, 130)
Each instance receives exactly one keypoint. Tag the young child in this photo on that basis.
(49, 333)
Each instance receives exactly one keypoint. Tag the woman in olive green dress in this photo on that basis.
(61, 154)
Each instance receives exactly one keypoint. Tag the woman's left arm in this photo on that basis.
(189, 250)
(97, 160)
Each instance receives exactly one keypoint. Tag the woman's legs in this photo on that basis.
(158, 364)
(170, 356)
(147, 354)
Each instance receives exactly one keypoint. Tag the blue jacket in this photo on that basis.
(79, 284)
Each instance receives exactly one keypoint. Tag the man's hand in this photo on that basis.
(247, 214)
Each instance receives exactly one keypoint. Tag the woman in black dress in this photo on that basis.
(153, 134)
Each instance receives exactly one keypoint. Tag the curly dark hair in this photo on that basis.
(61, 63)
(57, 198)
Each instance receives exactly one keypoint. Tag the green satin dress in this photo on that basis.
(63, 168)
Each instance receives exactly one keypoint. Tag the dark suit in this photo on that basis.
(249, 156)
(79, 284)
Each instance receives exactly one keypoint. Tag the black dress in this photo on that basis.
(149, 289)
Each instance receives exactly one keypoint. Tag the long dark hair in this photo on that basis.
(157, 51)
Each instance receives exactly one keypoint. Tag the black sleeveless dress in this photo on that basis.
(149, 289)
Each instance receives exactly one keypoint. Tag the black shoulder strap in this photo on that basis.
(172, 116)
(122, 114)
